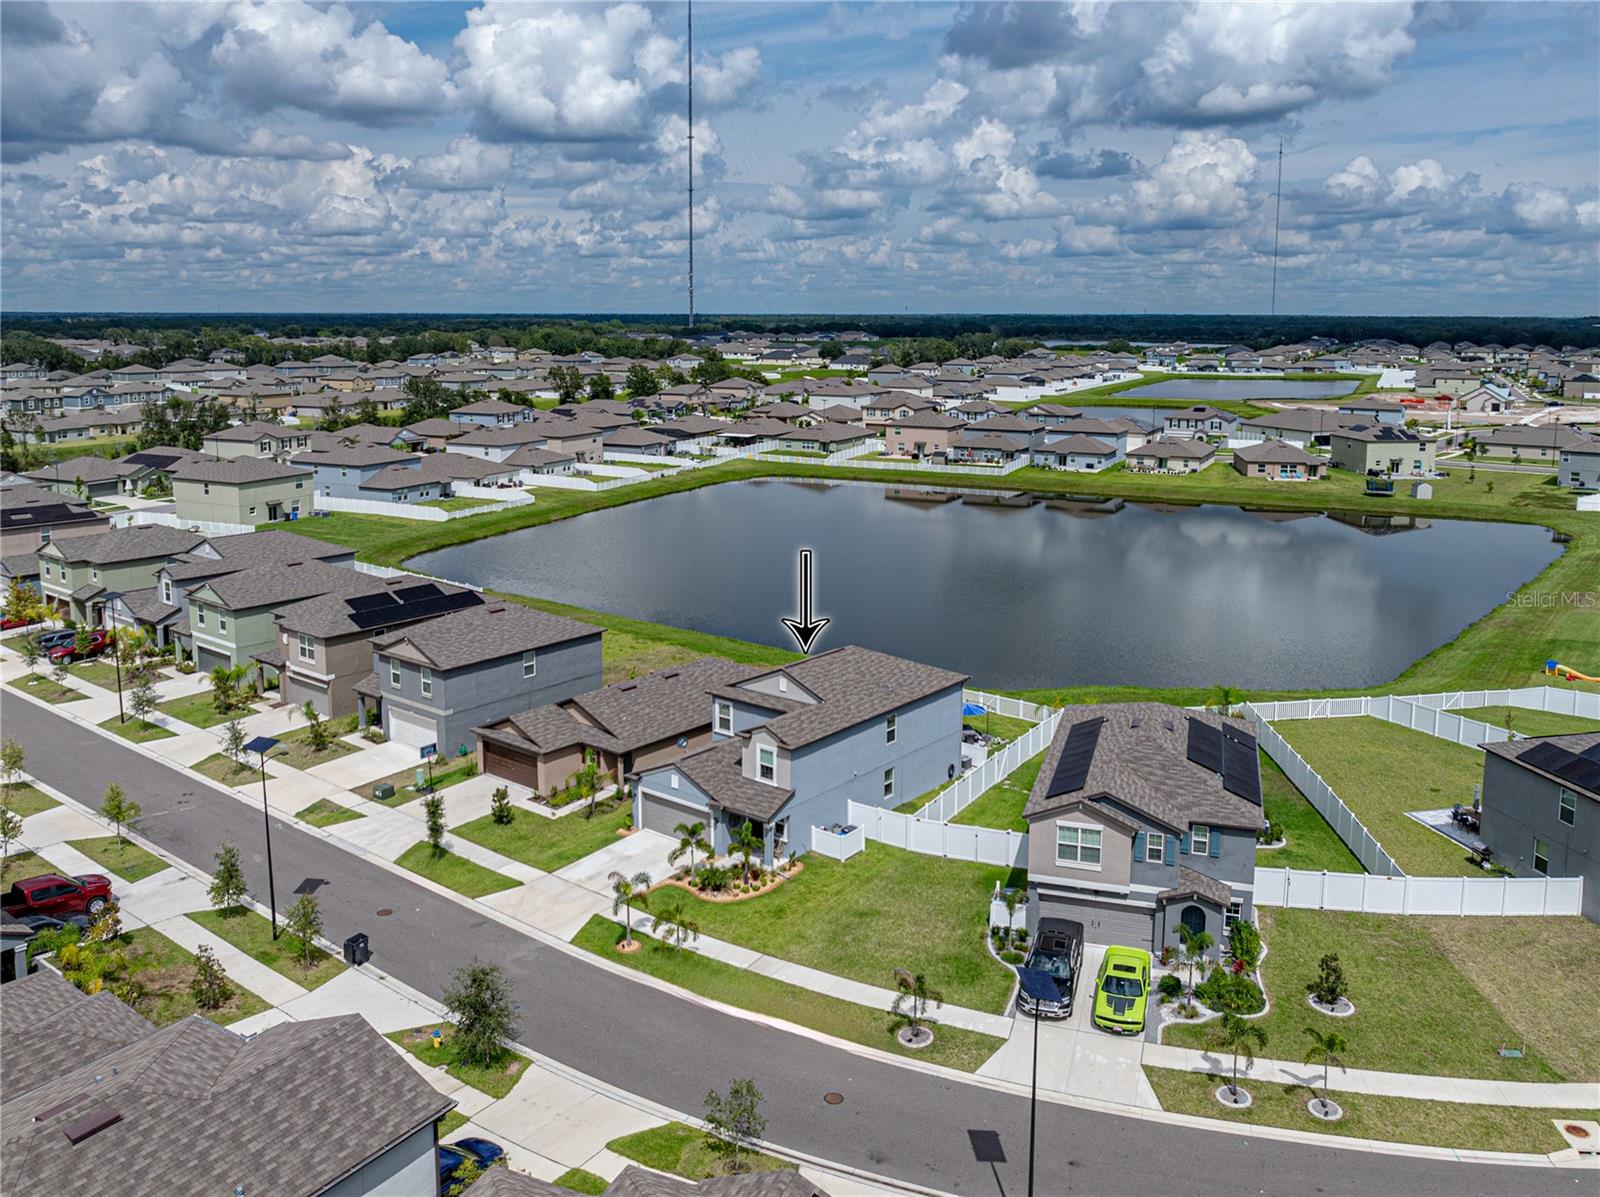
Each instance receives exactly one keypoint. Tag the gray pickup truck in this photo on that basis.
(1057, 950)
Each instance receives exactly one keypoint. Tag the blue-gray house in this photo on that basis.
(791, 748)
(340, 472)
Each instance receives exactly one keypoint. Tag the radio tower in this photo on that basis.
(691, 163)
(1277, 216)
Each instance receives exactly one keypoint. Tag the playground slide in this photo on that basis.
(1572, 675)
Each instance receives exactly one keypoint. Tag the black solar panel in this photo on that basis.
(1072, 770)
(1585, 774)
(425, 608)
(367, 602)
(1205, 746)
(1229, 751)
(1241, 773)
(408, 594)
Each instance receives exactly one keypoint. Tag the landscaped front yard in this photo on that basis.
(1309, 842)
(294, 748)
(404, 782)
(251, 933)
(102, 672)
(1381, 771)
(22, 864)
(1420, 1007)
(880, 910)
(1001, 804)
(122, 858)
(544, 843)
(200, 710)
(323, 813)
(164, 969)
(682, 1150)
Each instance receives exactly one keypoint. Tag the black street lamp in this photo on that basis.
(1040, 987)
(264, 745)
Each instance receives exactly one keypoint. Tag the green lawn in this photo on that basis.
(102, 672)
(1004, 728)
(1381, 771)
(952, 1046)
(164, 969)
(198, 710)
(494, 1079)
(323, 813)
(1530, 723)
(580, 1181)
(294, 748)
(405, 780)
(451, 1123)
(219, 768)
(684, 1151)
(884, 908)
(1416, 1011)
(547, 844)
(23, 864)
(27, 799)
(44, 687)
(1001, 804)
(460, 503)
(1392, 1119)
(251, 933)
(1310, 843)
(136, 730)
(454, 872)
(122, 857)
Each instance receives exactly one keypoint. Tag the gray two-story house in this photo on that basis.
(341, 473)
(792, 747)
(1541, 809)
(1144, 819)
(435, 681)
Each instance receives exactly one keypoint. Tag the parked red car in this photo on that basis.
(98, 643)
(9, 623)
(58, 895)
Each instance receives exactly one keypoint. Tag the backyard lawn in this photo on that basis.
(1368, 1116)
(495, 1079)
(688, 969)
(1530, 723)
(323, 813)
(122, 857)
(883, 908)
(1001, 804)
(1003, 728)
(251, 933)
(26, 799)
(682, 1150)
(137, 730)
(164, 969)
(1310, 843)
(454, 872)
(45, 688)
(545, 843)
(459, 503)
(1416, 1010)
(1381, 771)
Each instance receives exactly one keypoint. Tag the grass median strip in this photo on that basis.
(1370, 1116)
(454, 872)
(27, 799)
(679, 1148)
(544, 843)
(122, 857)
(495, 1079)
(251, 933)
(45, 688)
(952, 1046)
(323, 813)
(137, 731)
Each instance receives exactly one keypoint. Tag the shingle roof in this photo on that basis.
(1079, 443)
(53, 1028)
(400, 477)
(532, 457)
(39, 506)
(146, 606)
(1163, 447)
(1192, 883)
(719, 771)
(525, 433)
(1578, 743)
(1277, 453)
(331, 614)
(826, 434)
(1140, 760)
(438, 427)
(484, 633)
(274, 583)
(139, 543)
(640, 438)
(89, 469)
(236, 471)
(247, 549)
(354, 455)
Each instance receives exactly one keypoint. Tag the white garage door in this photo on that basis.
(662, 814)
(411, 730)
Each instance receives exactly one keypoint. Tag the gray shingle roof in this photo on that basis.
(534, 458)
(1164, 447)
(236, 471)
(634, 1181)
(719, 771)
(329, 615)
(52, 1028)
(278, 582)
(141, 543)
(248, 549)
(354, 455)
(1578, 742)
(1079, 443)
(484, 633)
(1277, 453)
(89, 469)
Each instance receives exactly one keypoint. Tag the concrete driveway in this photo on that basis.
(641, 852)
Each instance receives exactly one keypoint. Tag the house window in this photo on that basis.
(888, 730)
(394, 673)
(1155, 848)
(672, 780)
(888, 783)
(427, 683)
(94, 573)
(530, 663)
(205, 488)
(252, 511)
(1200, 840)
(1569, 806)
(44, 535)
(766, 764)
(307, 651)
(1233, 914)
(1078, 845)
(725, 718)
(1541, 857)
(222, 621)
(200, 616)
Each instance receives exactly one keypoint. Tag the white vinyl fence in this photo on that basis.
(570, 482)
(986, 845)
(135, 519)
(1004, 704)
(955, 798)
(411, 511)
(838, 847)
(1433, 714)
(385, 571)
(927, 467)
(1303, 889)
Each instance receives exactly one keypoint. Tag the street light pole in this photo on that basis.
(1033, 1098)
(116, 659)
(264, 745)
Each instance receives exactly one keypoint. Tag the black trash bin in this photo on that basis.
(356, 949)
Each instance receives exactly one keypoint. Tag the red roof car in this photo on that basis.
(98, 643)
(58, 895)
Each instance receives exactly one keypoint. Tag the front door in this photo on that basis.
(1193, 918)
(274, 512)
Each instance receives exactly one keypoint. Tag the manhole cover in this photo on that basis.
(385, 913)
(833, 1099)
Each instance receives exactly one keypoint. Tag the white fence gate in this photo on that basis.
(1303, 889)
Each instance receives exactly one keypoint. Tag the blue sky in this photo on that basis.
(850, 157)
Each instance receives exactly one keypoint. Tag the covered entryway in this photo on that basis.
(1103, 922)
(659, 813)
(414, 731)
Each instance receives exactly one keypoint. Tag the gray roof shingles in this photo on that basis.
(484, 633)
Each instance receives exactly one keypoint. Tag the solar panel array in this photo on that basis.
(1072, 770)
(1229, 751)
(406, 603)
(1579, 768)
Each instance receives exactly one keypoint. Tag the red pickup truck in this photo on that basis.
(57, 895)
(98, 642)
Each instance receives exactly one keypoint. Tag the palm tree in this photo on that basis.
(691, 839)
(1325, 1049)
(625, 893)
(1225, 698)
(1242, 1038)
(911, 1001)
(674, 924)
(746, 843)
(1192, 949)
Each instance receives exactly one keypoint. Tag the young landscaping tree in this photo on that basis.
(10, 830)
(233, 741)
(746, 844)
(209, 987)
(227, 891)
(1241, 1038)
(318, 734)
(142, 699)
(674, 925)
(304, 922)
(82, 641)
(626, 893)
(433, 814)
(500, 808)
(119, 808)
(691, 839)
(1192, 949)
(478, 1000)
(19, 599)
(58, 670)
(223, 696)
(28, 648)
(12, 760)
(735, 1118)
(1329, 985)
(1326, 1048)
(910, 1008)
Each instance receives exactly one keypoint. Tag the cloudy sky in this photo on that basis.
(849, 157)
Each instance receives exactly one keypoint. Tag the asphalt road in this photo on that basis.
(893, 1121)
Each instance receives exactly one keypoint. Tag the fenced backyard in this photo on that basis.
(1491, 897)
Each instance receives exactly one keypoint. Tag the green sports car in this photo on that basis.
(1121, 990)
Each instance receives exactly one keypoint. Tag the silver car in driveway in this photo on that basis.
(1057, 950)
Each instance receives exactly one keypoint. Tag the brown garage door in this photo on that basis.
(510, 764)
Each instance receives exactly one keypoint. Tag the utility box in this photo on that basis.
(356, 949)
(383, 791)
